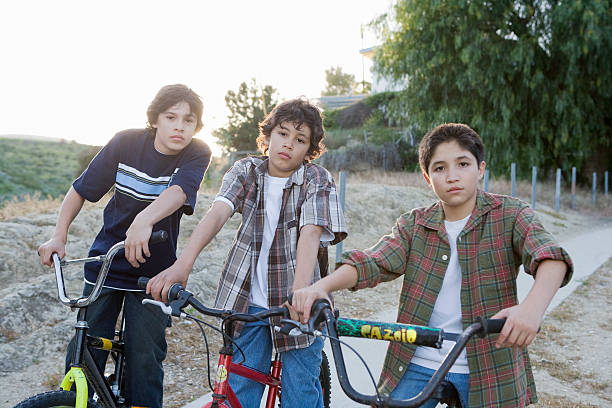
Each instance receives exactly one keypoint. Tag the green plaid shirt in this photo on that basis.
(501, 234)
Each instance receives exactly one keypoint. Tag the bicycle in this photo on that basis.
(108, 391)
(223, 396)
(437, 387)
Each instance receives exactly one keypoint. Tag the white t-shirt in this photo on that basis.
(273, 199)
(447, 310)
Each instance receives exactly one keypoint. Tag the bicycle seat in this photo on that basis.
(446, 393)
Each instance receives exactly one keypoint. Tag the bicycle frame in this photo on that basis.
(223, 391)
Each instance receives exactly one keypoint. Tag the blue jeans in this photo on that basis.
(415, 378)
(144, 337)
(300, 375)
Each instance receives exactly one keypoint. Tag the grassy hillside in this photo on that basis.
(30, 166)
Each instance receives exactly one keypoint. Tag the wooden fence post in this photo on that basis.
(513, 178)
(534, 178)
(558, 191)
(342, 195)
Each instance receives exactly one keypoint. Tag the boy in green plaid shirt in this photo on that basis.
(459, 260)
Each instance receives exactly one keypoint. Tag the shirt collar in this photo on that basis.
(433, 216)
(297, 177)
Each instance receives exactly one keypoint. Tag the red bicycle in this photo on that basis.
(223, 396)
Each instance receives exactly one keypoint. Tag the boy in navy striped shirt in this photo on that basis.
(156, 173)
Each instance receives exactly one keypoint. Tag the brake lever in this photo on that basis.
(292, 328)
(164, 307)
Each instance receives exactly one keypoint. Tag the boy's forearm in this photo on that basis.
(549, 276)
(205, 231)
(345, 277)
(170, 200)
(72, 204)
(306, 255)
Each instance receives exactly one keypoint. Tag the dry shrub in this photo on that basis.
(29, 204)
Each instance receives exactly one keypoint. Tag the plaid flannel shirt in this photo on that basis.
(501, 234)
(243, 185)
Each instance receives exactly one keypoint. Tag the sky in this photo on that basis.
(84, 70)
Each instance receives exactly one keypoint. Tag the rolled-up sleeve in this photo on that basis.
(534, 244)
(321, 207)
(385, 261)
(233, 189)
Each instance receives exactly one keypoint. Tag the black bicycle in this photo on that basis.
(108, 390)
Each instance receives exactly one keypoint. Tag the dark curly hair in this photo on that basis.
(464, 135)
(300, 112)
(169, 96)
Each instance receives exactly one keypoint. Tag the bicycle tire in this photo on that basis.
(325, 380)
(54, 399)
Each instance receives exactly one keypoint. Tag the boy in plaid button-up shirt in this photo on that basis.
(459, 260)
(289, 210)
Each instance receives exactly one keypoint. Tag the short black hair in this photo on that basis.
(298, 111)
(169, 96)
(464, 135)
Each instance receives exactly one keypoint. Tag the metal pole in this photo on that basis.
(486, 181)
(342, 195)
(573, 187)
(534, 178)
(513, 178)
(594, 187)
(606, 183)
(558, 191)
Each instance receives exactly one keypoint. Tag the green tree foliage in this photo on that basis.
(338, 82)
(533, 77)
(247, 108)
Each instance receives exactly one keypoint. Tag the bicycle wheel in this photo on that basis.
(54, 399)
(325, 380)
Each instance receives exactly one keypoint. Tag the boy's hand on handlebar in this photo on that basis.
(46, 250)
(304, 298)
(137, 242)
(520, 328)
(159, 285)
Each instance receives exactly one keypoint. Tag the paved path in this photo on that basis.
(588, 251)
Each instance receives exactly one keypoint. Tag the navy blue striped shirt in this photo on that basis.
(139, 173)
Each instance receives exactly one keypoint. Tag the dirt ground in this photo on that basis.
(571, 355)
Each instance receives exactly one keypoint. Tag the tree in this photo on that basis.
(338, 82)
(533, 77)
(247, 108)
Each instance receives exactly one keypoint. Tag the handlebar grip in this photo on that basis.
(495, 325)
(158, 236)
(175, 291)
(143, 280)
(492, 326)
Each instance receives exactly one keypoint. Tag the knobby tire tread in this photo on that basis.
(54, 399)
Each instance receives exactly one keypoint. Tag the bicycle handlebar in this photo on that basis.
(106, 259)
(179, 297)
(481, 327)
